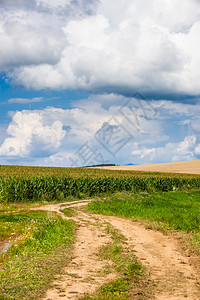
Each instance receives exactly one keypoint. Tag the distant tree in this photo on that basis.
(101, 165)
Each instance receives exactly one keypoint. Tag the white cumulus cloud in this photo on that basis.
(54, 135)
(114, 46)
(170, 152)
(30, 136)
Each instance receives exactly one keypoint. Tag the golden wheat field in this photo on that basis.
(187, 167)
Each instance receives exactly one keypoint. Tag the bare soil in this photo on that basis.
(188, 167)
(173, 272)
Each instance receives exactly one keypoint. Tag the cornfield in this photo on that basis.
(29, 172)
(22, 189)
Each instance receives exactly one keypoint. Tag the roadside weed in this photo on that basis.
(36, 254)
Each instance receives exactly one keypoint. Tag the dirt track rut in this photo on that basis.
(172, 274)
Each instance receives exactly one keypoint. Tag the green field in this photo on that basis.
(39, 239)
(23, 184)
(175, 210)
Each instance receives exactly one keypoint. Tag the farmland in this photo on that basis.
(29, 172)
(22, 184)
(183, 167)
(39, 242)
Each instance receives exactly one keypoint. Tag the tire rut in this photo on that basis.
(172, 275)
(85, 271)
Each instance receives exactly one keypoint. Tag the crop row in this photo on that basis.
(29, 172)
(47, 188)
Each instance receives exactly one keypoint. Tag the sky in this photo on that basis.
(86, 82)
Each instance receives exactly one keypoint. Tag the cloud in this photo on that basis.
(45, 132)
(54, 135)
(150, 46)
(26, 39)
(171, 152)
(31, 137)
(180, 122)
(59, 7)
(5, 4)
(39, 133)
(70, 8)
(25, 100)
(178, 15)
(197, 150)
(178, 110)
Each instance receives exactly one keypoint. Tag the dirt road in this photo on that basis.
(171, 272)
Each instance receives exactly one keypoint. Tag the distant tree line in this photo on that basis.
(101, 165)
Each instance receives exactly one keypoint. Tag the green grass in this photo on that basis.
(195, 242)
(129, 270)
(39, 251)
(176, 210)
(18, 223)
(69, 212)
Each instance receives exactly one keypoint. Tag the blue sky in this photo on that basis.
(99, 81)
